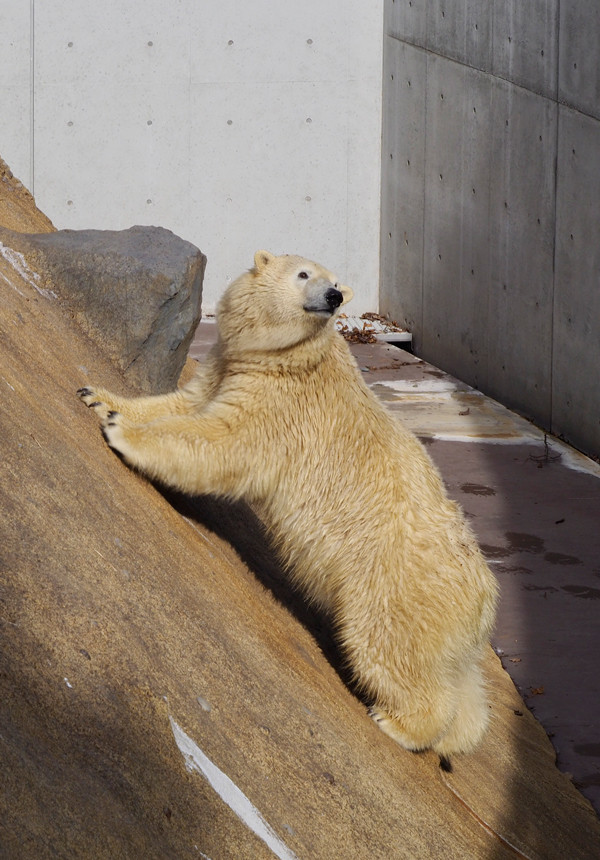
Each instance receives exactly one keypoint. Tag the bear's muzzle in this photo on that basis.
(324, 302)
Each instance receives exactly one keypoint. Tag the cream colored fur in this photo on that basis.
(280, 416)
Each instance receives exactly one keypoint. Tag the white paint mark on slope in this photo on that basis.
(20, 265)
(228, 791)
(10, 284)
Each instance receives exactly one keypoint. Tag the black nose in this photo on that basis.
(333, 298)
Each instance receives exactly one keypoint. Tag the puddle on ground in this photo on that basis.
(490, 551)
(522, 542)
(561, 558)
(588, 749)
(477, 490)
(583, 591)
(539, 588)
(505, 568)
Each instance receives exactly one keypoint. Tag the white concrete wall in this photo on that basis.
(238, 125)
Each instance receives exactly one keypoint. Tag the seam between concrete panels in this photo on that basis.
(555, 98)
(554, 265)
(32, 96)
(424, 211)
(555, 232)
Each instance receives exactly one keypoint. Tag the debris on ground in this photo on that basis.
(370, 328)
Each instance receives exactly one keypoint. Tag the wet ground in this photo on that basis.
(534, 504)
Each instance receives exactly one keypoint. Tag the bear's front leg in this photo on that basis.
(116, 429)
(193, 454)
(137, 409)
(142, 446)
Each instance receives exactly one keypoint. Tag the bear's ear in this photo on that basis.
(347, 292)
(261, 259)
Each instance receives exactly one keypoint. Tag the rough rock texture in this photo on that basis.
(17, 207)
(136, 291)
(124, 616)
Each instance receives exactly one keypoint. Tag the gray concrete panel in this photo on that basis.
(456, 234)
(492, 267)
(406, 20)
(402, 189)
(526, 44)
(579, 71)
(576, 362)
(461, 30)
(522, 249)
(16, 104)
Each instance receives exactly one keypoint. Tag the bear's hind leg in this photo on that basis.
(415, 731)
(471, 717)
(454, 722)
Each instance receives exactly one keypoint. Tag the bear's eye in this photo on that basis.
(303, 275)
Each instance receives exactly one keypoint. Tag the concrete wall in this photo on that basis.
(237, 125)
(491, 198)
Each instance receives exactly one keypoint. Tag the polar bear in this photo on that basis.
(280, 416)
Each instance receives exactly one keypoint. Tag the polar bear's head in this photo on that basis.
(282, 301)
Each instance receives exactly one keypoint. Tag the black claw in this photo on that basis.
(95, 403)
(112, 413)
(83, 392)
(445, 764)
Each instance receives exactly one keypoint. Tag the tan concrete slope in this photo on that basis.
(158, 701)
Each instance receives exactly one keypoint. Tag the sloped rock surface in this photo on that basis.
(129, 624)
(17, 207)
(137, 292)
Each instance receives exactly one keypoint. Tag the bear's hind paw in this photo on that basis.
(391, 725)
(388, 724)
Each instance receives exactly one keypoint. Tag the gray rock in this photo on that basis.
(136, 292)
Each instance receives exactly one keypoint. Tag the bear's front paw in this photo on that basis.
(113, 430)
(94, 401)
(118, 433)
(88, 395)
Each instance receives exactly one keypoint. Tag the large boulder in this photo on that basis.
(136, 292)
